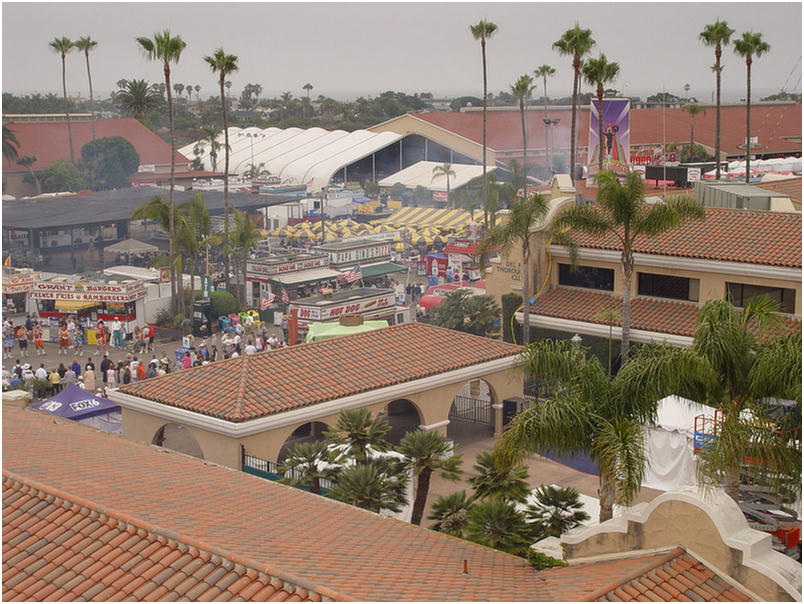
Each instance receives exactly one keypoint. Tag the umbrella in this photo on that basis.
(399, 247)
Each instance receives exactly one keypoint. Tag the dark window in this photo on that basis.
(667, 286)
(586, 276)
(740, 293)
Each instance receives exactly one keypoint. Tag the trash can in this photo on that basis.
(201, 310)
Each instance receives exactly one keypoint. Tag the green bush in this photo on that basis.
(223, 303)
(540, 561)
(510, 302)
(163, 318)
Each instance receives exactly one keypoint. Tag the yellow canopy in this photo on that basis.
(74, 304)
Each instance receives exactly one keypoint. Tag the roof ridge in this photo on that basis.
(237, 406)
(50, 491)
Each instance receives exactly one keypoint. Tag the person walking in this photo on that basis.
(64, 338)
(22, 340)
(100, 337)
(104, 367)
(78, 339)
(110, 376)
(8, 339)
(117, 332)
(37, 340)
(89, 379)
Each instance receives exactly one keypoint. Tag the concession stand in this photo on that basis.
(17, 282)
(462, 257)
(371, 253)
(295, 272)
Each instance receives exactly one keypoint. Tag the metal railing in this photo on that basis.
(472, 409)
(271, 469)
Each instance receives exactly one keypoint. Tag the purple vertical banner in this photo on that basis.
(616, 137)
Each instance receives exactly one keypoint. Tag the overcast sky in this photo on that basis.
(345, 50)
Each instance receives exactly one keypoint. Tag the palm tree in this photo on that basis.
(138, 97)
(749, 46)
(308, 87)
(620, 211)
(495, 480)
(257, 171)
(521, 90)
(482, 31)
(305, 465)
(193, 230)
(693, 109)
(243, 237)
(63, 46)
(358, 431)
(189, 89)
(378, 484)
(428, 452)
(556, 510)
(542, 72)
(524, 212)
(167, 49)
(599, 72)
(28, 161)
(739, 363)
(211, 138)
(582, 411)
(717, 34)
(178, 88)
(444, 170)
(575, 42)
(10, 144)
(224, 64)
(450, 514)
(197, 89)
(497, 524)
(85, 44)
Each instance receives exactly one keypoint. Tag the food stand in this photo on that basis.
(462, 257)
(17, 282)
(294, 272)
(372, 253)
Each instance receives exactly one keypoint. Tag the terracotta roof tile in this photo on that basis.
(245, 387)
(749, 236)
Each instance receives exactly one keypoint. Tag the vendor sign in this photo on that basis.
(88, 291)
(315, 313)
(18, 283)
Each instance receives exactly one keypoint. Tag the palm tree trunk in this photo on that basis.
(576, 66)
(449, 196)
(600, 145)
(605, 493)
(548, 168)
(526, 291)
(717, 109)
(36, 181)
(315, 485)
(422, 488)
(628, 273)
(748, 120)
(692, 138)
(192, 279)
(485, 102)
(524, 149)
(66, 106)
(225, 188)
(91, 98)
(171, 227)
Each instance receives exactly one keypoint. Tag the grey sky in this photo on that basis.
(345, 50)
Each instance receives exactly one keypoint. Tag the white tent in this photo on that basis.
(421, 174)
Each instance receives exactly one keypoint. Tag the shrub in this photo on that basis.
(223, 303)
(541, 561)
(510, 302)
(163, 318)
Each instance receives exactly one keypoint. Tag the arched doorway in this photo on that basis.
(309, 432)
(177, 438)
(403, 417)
(471, 416)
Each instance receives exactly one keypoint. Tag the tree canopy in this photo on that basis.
(109, 162)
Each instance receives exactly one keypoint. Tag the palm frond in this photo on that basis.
(619, 448)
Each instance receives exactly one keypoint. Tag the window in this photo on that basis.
(667, 286)
(586, 276)
(740, 293)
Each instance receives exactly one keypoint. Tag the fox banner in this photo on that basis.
(616, 137)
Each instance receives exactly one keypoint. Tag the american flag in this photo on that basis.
(285, 297)
(354, 275)
(265, 302)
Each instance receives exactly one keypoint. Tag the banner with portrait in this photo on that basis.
(616, 137)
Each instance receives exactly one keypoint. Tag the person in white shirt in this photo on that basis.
(117, 332)
(133, 368)
(41, 373)
(272, 341)
(250, 348)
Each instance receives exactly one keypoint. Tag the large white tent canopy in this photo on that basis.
(309, 156)
(421, 174)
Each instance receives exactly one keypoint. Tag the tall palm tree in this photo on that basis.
(575, 42)
(166, 49)
(138, 97)
(85, 44)
(211, 138)
(496, 523)
(621, 212)
(10, 144)
(189, 89)
(693, 109)
(358, 431)
(445, 170)
(582, 411)
(178, 88)
(197, 89)
(224, 64)
(521, 90)
(428, 452)
(741, 360)
(308, 87)
(524, 212)
(28, 161)
(542, 72)
(495, 480)
(749, 46)
(482, 31)
(717, 34)
(193, 230)
(243, 237)
(599, 72)
(63, 46)
(305, 465)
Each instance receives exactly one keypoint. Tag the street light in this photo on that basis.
(548, 124)
(576, 340)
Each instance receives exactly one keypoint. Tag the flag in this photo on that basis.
(354, 275)
(7, 261)
(285, 297)
(265, 302)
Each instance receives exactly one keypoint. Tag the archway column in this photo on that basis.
(498, 419)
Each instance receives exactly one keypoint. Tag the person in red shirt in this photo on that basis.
(64, 338)
(140, 371)
(186, 361)
(101, 337)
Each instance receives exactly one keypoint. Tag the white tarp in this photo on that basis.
(421, 174)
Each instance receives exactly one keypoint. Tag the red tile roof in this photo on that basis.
(94, 480)
(57, 548)
(749, 236)
(648, 314)
(248, 387)
(678, 577)
(48, 141)
(786, 186)
(775, 125)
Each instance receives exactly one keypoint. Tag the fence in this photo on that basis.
(270, 470)
(474, 410)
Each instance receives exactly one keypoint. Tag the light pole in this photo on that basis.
(548, 124)
(323, 227)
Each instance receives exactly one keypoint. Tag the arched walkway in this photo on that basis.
(471, 416)
(403, 417)
(309, 432)
(177, 438)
